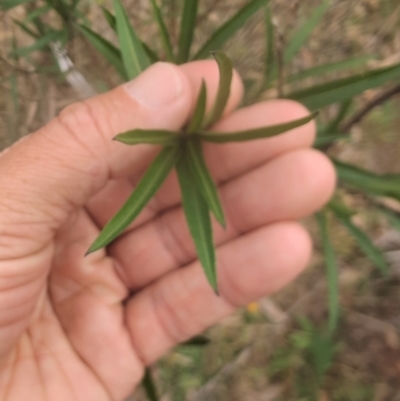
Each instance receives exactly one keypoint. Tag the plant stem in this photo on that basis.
(377, 101)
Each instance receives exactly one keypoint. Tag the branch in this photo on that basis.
(368, 107)
(72, 75)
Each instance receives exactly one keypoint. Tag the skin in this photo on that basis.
(82, 328)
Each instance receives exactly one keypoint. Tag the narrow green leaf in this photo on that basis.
(107, 49)
(341, 210)
(258, 133)
(331, 272)
(320, 70)
(198, 219)
(339, 90)
(270, 46)
(146, 188)
(366, 245)
(163, 31)
(133, 55)
(188, 24)
(227, 30)
(322, 352)
(149, 386)
(40, 44)
(9, 4)
(151, 54)
(357, 178)
(37, 12)
(300, 36)
(153, 137)
(224, 87)
(199, 110)
(204, 180)
(26, 29)
(112, 22)
(197, 341)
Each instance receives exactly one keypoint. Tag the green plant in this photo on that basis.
(183, 151)
(131, 56)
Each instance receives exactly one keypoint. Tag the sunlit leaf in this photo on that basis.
(198, 115)
(163, 30)
(149, 386)
(258, 133)
(198, 218)
(146, 188)
(188, 24)
(133, 54)
(204, 180)
(40, 44)
(320, 70)
(301, 35)
(339, 90)
(106, 48)
(229, 28)
(331, 272)
(153, 137)
(224, 87)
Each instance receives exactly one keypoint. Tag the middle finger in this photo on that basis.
(287, 188)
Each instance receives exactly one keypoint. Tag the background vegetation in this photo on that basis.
(334, 333)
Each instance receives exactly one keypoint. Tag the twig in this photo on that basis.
(72, 75)
(369, 106)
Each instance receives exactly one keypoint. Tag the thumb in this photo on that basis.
(59, 167)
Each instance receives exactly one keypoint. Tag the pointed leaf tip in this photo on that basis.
(198, 219)
(152, 137)
(146, 188)
(133, 54)
(258, 133)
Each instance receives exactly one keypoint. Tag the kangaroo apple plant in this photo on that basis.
(183, 151)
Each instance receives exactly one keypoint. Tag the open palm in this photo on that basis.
(82, 328)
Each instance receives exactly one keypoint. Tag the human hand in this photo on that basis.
(82, 328)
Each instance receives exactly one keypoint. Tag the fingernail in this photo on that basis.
(157, 86)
